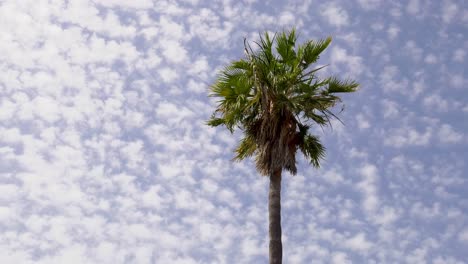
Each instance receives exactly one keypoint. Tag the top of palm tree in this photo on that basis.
(274, 95)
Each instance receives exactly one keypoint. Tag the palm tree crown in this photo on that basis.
(274, 96)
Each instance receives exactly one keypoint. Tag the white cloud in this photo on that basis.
(196, 87)
(133, 153)
(46, 108)
(463, 235)
(414, 50)
(390, 109)
(449, 11)
(446, 260)
(370, 4)
(333, 177)
(358, 243)
(87, 15)
(353, 62)
(8, 192)
(436, 102)
(386, 216)
(167, 74)
(407, 136)
(105, 251)
(171, 29)
(135, 119)
(459, 55)
(340, 258)
(363, 123)
(389, 79)
(209, 28)
(7, 108)
(431, 59)
(417, 256)
(200, 68)
(335, 15)
(413, 7)
(140, 4)
(6, 215)
(172, 113)
(447, 134)
(286, 18)
(393, 31)
(355, 153)
(368, 187)
(458, 81)
(173, 51)
(425, 212)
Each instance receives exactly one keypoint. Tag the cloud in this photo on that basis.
(368, 187)
(335, 15)
(430, 59)
(448, 135)
(393, 31)
(286, 18)
(436, 102)
(173, 52)
(408, 136)
(390, 109)
(139, 4)
(353, 63)
(369, 4)
(459, 55)
(449, 11)
(458, 81)
(340, 257)
(358, 243)
(389, 78)
(413, 7)
(463, 235)
(413, 49)
(363, 123)
(167, 74)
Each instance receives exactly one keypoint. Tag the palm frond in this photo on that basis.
(246, 148)
(285, 44)
(214, 121)
(313, 150)
(337, 86)
(313, 49)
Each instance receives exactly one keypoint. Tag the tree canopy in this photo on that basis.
(274, 95)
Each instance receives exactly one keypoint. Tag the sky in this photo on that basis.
(105, 156)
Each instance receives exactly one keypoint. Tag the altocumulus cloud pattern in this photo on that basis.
(105, 157)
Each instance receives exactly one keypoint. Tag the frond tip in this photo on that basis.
(214, 121)
(337, 86)
(245, 149)
(313, 150)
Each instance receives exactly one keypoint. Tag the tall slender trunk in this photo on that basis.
(274, 210)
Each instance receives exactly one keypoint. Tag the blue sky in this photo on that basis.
(105, 157)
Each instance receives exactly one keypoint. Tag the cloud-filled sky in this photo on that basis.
(105, 156)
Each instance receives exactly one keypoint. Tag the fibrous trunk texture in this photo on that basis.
(274, 210)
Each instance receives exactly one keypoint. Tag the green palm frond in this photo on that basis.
(313, 49)
(245, 149)
(285, 44)
(313, 150)
(214, 121)
(337, 86)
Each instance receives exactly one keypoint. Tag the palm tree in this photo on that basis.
(273, 96)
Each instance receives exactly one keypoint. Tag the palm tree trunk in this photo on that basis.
(274, 210)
